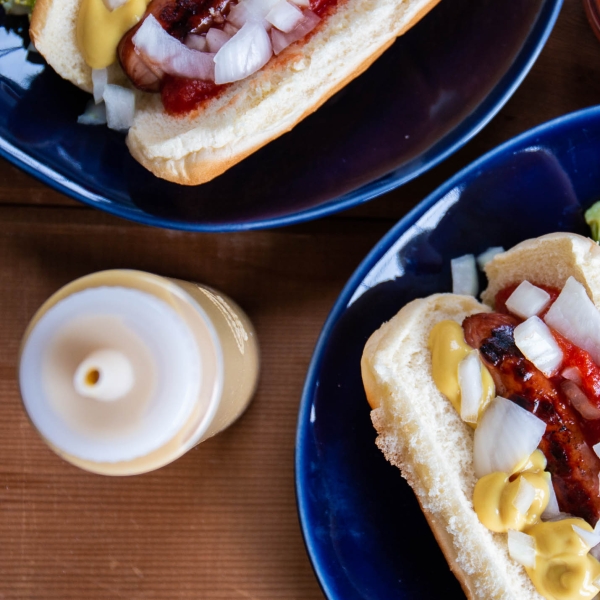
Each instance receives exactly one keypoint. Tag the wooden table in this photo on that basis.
(220, 522)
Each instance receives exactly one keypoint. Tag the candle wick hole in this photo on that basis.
(92, 377)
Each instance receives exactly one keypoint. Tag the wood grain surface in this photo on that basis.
(221, 521)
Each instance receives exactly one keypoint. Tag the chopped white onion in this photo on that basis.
(94, 114)
(168, 53)
(521, 548)
(525, 496)
(261, 7)
(552, 510)
(99, 82)
(195, 42)
(250, 10)
(487, 255)
(505, 436)
(120, 107)
(302, 3)
(245, 53)
(527, 300)
(240, 14)
(596, 449)
(471, 388)
(590, 538)
(572, 374)
(282, 40)
(230, 29)
(284, 16)
(535, 340)
(113, 4)
(575, 316)
(216, 39)
(464, 275)
(581, 403)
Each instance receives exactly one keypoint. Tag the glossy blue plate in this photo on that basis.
(433, 90)
(363, 528)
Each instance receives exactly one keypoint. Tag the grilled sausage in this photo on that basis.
(571, 461)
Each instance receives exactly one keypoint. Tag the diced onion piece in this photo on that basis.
(582, 404)
(525, 496)
(99, 81)
(572, 374)
(464, 275)
(216, 39)
(94, 114)
(240, 14)
(282, 40)
(230, 29)
(120, 106)
(590, 538)
(487, 255)
(535, 340)
(168, 53)
(596, 448)
(261, 7)
(505, 436)
(552, 510)
(521, 548)
(245, 53)
(302, 3)
(527, 300)
(113, 4)
(284, 16)
(195, 42)
(250, 10)
(471, 388)
(575, 316)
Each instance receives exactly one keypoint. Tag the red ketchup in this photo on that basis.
(180, 95)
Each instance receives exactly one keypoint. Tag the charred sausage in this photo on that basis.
(572, 462)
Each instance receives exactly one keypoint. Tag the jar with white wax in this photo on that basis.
(121, 372)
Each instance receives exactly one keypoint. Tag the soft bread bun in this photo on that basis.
(197, 147)
(547, 260)
(422, 434)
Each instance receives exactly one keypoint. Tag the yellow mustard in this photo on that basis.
(100, 30)
(564, 569)
(494, 496)
(448, 349)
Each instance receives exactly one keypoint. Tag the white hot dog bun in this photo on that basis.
(421, 433)
(199, 146)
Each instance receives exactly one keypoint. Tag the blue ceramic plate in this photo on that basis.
(430, 93)
(363, 528)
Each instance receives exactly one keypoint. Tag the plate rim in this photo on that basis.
(458, 137)
(515, 144)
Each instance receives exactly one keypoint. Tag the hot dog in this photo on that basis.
(189, 129)
(422, 432)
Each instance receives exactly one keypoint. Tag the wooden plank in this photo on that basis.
(220, 522)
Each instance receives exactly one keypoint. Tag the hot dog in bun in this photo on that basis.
(214, 80)
(492, 413)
